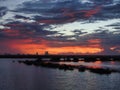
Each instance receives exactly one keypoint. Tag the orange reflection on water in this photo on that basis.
(112, 62)
(81, 62)
(96, 65)
(98, 62)
(61, 63)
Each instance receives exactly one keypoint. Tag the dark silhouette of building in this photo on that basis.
(37, 53)
(46, 53)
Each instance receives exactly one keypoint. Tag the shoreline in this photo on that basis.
(62, 66)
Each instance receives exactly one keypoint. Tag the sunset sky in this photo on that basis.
(60, 26)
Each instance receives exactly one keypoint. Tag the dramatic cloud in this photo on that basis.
(60, 27)
(54, 11)
(3, 11)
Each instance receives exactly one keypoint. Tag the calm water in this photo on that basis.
(15, 76)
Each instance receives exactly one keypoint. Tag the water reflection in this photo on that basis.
(98, 66)
(95, 65)
(18, 76)
(112, 62)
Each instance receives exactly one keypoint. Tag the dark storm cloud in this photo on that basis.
(103, 38)
(109, 12)
(79, 32)
(67, 38)
(54, 12)
(22, 30)
(115, 26)
(3, 11)
(118, 28)
(2, 36)
(108, 39)
(21, 17)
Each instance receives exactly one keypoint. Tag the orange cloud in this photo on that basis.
(94, 41)
(86, 13)
(75, 50)
(90, 13)
(33, 48)
(41, 48)
(96, 65)
(27, 46)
